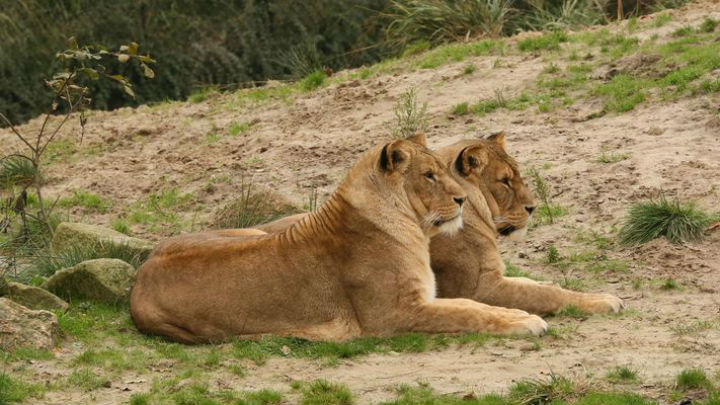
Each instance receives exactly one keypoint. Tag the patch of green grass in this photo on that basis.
(552, 68)
(140, 398)
(623, 92)
(461, 109)
(709, 86)
(708, 25)
(612, 157)
(416, 47)
(160, 209)
(469, 69)
(553, 390)
(211, 138)
(572, 311)
(200, 95)
(483, 107)
(117, 359)
(677, 222)
(602, 265)
(513, 271)
(553, 255)
(323, 392)
(313, 80)
(259, 350)
(549, 41)
(691, 379)
(237, 128)
(14, 390)
(545, 214)
(614, 398)
(27, 353)
(120, 225)
(661, 20)
(683, 31)
(86, 200)
(450, 53)
(87, 380)
(669, 284)
(91, 322)
(622, 374)
(695, 327)
(261, 397)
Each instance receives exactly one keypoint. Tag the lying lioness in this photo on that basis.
(468, 264)
(358, 266)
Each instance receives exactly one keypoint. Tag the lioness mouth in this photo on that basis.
(439, 222)
(507, 230)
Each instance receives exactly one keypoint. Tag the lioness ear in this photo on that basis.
(393, 156)
(419, 138)
(471, 158)
(498, 138)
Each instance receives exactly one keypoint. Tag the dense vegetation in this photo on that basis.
(233, 43)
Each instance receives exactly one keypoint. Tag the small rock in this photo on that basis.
(35, 297)
(103, 280)
(23, 327)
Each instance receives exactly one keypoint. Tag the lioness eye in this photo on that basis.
(506, 181)
(430, 175)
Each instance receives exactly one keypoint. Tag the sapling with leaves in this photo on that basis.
(21, 174)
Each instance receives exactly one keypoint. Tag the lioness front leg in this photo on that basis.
(537, 298)
(463, 315)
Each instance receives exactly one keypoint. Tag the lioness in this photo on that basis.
(357, 266)
(468, 264)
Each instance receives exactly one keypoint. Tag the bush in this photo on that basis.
(676, 221)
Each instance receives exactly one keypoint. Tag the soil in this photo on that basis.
(310, 141)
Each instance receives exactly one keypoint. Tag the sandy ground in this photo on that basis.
(674, 148)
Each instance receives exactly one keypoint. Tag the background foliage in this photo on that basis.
(194, 41)
(233, 43)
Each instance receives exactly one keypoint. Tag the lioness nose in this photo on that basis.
(459, 200)
(530, 208)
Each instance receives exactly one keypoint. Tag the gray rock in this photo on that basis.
(23, 327)
(35, 297)
(102, 280)
(69, 235)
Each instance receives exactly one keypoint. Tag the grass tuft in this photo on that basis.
(549, 41)
(622, 374)
(323, 392)
(410, 117)
(555, 389)
(313, 80)
(691, 379)
(677, 222)
(461, 109)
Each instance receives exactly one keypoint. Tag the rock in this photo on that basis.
(103, 280)
(22, 327)
(35, 297)
(69, 235)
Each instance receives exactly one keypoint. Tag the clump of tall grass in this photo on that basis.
(447, 21)
(674, 220)
(253, 207)
(410, 116)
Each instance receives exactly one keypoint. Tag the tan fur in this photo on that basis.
(468, 264)
(358, 266)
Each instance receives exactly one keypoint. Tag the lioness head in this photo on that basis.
(432, 194)
(486, 165)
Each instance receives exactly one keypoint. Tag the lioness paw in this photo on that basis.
(603, 303)
(528, 325)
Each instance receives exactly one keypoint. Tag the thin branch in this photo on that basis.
(12, 127)
(47, 116)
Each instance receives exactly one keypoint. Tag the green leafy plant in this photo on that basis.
(676, 221)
